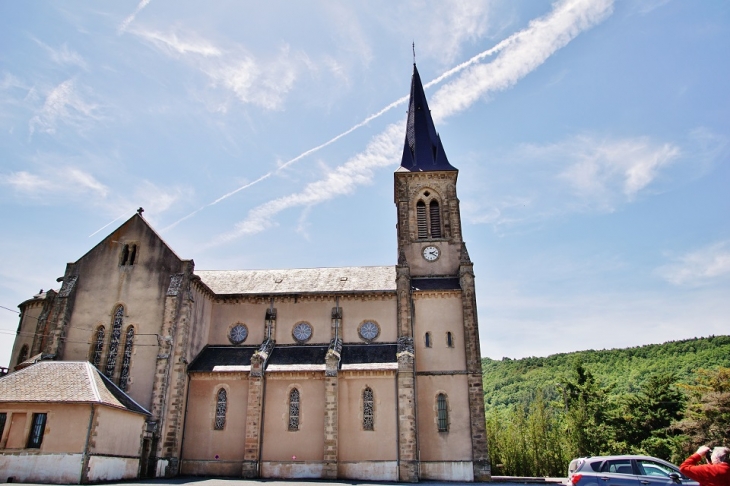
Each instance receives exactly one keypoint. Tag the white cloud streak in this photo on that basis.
(520, 54)
(64, 104)
(698, 267)
(128, 20)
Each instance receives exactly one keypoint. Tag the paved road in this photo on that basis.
(195, 481)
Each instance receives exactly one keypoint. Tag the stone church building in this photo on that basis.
(352, 373)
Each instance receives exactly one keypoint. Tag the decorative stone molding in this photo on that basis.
(405, 345)
(68, 285)
(176, 281)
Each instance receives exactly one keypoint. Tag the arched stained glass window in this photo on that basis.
(294, 409)
(435, 215)
(442, 409)
(127, 358)
(111, 361)
(98, 346)
(23, 354)
(421, 220)
(368, 416)
(221, 405)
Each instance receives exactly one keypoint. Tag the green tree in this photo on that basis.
(707, 416)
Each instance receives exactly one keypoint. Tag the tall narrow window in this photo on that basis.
(127, 358)
(428, 339)
(435, 214)
(125, 255)
(221, 405)
(368, 419)
(294, 409)
(36, 431)
(23, 354)
(443, 413)
(132, 254)
(98, 346)
(3, 419)
(449, 340)
(111, 361)
(421, 220)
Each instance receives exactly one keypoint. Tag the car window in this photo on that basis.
(618, 466)
(651, 468)
(596, 466)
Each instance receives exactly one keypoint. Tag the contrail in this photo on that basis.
(367, 120)
(125, 23)
(110, 222)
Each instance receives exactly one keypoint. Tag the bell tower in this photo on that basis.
(440, 394)
(429, 222)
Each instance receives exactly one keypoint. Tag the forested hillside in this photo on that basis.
(508, 382)
(661, 400)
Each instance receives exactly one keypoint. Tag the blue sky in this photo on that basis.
(591, 139)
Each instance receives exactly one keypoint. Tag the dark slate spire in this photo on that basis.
(422, 150)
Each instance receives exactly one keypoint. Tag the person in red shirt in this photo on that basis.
(716, 473)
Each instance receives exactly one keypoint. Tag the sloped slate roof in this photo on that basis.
(64, 382)
(299, 280)
(295, 357)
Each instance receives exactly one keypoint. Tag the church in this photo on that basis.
(360, 373)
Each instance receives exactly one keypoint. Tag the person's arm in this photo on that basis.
(691, 469)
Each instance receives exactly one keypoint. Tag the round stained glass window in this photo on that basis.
(238, 334)
(302, 332)
(369, 330)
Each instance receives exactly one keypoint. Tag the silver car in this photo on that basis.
(625, 471)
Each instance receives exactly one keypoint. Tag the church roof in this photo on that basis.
(300, 280)
(422, 150)
(304, 357)
(64, 382)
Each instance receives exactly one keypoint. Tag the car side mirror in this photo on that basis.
(675, 478)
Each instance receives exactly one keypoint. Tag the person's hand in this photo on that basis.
(703, 450)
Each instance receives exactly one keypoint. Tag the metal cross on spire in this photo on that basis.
(414, 51)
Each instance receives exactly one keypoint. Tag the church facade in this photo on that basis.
(355, 372)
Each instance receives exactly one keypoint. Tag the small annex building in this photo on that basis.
(360, 373)
(65, 422)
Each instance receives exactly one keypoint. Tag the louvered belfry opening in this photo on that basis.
(435, 214)
(421, 220)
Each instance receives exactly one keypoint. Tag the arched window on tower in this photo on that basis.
(23, 354)
(368, 415)
(221, 405)
(111, 361)
(421, 220)
(294, 409)
(442, 409)
(98, 346)
(127, 358)
(435, 217)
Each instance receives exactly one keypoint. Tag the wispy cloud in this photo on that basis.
(67, 184)
(520, 54)
(175, 45)
(380, 152)
(450, 24)
(63, 55)
(128, 20)
(65, 180)
(699, 266)
(64, 104)
(579, 174)
(601, 168)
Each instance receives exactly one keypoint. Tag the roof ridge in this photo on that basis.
(90, 371)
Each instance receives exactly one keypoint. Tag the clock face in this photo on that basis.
(302, 332)
(238, 334)
(369, 330)
(431, 253)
